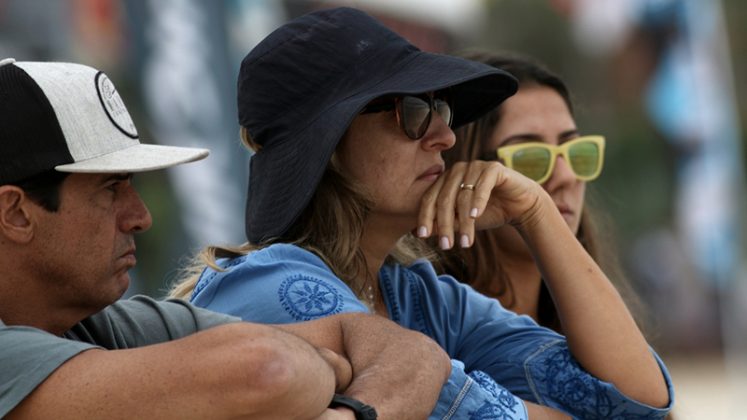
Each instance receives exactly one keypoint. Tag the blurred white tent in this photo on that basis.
(458, 17)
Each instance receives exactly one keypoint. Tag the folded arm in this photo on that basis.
(234, 370)
(397, 371)
(601, 333)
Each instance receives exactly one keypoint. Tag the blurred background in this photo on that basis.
(662, 79)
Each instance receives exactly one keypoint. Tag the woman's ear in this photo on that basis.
(15, 217)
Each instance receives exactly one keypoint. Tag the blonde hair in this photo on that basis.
(331, 226)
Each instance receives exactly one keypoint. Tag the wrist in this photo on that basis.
(545, 225)
(344, 412)
(535, 215)
(362, 411)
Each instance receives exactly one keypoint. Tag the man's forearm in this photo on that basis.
(400, 372)
(397, 371)
(235, 370)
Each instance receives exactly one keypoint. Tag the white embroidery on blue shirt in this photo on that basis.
(458, 400)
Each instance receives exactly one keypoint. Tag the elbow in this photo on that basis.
(650, 387)
(440, 357)
(282, 380)
(660, 397)
(445, 365)
(431, 355)
(657, 397)
(270, 371)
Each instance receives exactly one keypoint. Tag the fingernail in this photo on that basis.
(464, 241)
(422, 232)
(473, 213)
(445, 242)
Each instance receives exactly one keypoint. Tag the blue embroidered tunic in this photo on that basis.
(506, 355)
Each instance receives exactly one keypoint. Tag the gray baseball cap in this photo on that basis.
(70, 118)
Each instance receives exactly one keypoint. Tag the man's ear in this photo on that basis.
(15, 215)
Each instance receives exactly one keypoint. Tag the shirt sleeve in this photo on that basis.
(558, 381)
(28, 356)
(533, 362)
(476, 396)
(142, 321)
(279, 284)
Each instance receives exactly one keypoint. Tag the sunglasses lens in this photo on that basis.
(584, 158)
(415, 114)
(532, 162)
(444, 110)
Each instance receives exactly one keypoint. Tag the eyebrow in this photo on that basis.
(568, 135)
(527, 137)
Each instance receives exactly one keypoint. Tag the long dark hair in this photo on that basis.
(478, 265)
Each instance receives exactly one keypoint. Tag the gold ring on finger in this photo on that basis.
(464, 186)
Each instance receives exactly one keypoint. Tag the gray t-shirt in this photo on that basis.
(29, 355)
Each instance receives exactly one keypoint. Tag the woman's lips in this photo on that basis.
(432, 173)
(564, 209)
(568, 214)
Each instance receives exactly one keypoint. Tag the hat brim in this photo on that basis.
(137, 158)
(283, 179)
(475, 87)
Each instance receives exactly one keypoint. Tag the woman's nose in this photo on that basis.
(439, 135)
(562, 173)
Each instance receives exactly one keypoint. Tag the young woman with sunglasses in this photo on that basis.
(348, 121)
(535, 134)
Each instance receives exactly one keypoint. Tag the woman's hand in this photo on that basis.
(479, 195)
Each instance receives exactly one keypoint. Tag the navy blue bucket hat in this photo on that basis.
(302, 86)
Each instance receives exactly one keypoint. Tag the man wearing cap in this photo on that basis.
(68, 214)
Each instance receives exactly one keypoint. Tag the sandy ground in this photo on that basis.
(706, 387)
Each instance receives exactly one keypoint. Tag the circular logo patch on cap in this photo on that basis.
(114, 106)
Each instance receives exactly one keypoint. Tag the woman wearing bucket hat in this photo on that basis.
(348, 121)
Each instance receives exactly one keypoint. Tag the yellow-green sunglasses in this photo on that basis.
(536, 160)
